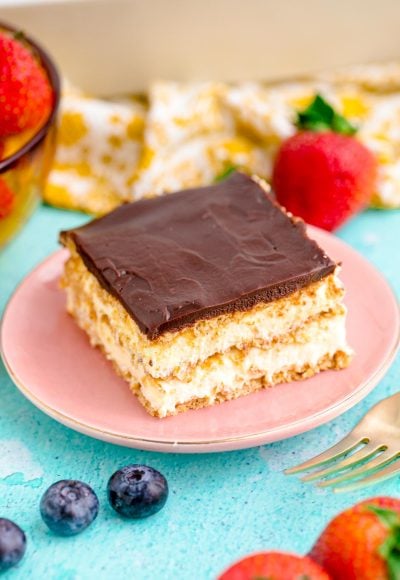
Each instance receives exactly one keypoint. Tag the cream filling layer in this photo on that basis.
(229, 372)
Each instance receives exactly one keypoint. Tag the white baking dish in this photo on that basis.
(121, 45)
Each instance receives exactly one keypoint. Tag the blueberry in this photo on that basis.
(68, 507)
(137, 491)
(12, 544)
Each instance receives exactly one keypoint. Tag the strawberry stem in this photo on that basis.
(19, 35)
(390, 549)
(227, 172)
(321, 116)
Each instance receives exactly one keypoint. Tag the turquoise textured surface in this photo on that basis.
(221, 506)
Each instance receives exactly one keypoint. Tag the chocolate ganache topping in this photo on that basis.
(199, 253)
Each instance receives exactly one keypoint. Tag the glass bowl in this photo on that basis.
(28, 156)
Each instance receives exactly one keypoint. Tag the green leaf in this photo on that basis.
(321, 116)
(19, 35)
(387, 517)
(393, 564)
(390, 552)
(225, 173)
(390, 549)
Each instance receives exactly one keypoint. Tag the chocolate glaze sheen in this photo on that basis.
(199, 253)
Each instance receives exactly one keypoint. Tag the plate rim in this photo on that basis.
(236, 442)
(220, 444)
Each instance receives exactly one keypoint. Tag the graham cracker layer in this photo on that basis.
(338, 356)
(339, 361)
(224, 375)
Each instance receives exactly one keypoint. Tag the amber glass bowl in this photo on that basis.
(28, 156)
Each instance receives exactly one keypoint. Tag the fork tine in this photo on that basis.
(344, 446)
(381, 461)
(367, 452)
(382, 475)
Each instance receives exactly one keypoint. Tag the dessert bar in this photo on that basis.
(206, 295)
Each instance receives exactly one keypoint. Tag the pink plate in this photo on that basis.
(52, 363)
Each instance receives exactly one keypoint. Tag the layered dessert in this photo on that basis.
(206, 295)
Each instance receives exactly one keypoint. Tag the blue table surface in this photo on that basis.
(221, 506)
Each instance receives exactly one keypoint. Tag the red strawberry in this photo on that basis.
(363, 542)
(6, 199)
(324, 176)
(25, 92)
(274, 566)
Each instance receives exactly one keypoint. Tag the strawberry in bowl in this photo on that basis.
(29, 97)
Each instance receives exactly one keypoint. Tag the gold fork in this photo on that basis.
(369, 453)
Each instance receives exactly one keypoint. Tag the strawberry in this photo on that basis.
(6, 199)
(26, 95)
(363, 542)
(274, 566)
(323, 173)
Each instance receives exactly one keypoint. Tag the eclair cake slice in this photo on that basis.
(205, 295)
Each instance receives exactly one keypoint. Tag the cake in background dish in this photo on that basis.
(206, 295)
